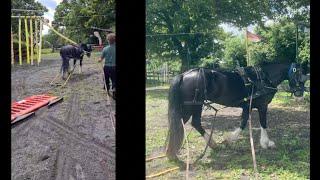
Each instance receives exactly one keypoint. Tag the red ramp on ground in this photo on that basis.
(29, 105)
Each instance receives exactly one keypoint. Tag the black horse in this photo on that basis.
(73, 52)
(189, 91)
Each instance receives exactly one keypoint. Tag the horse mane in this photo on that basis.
(266, 63)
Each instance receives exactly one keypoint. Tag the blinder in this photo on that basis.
(296, 80)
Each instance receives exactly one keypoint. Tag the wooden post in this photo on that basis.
(27, 39)
(20, 51)
(297, 31)
(246, 39)
(40, 41)
(36, 38)
(12, 52)
(31, 41)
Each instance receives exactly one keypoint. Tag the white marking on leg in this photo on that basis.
(265, 142)
(234, 136)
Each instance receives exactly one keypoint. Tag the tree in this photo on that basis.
(181, 20)
(53, 39)
(235, 52)
(78, 16)
(279, 43)
(25, 4)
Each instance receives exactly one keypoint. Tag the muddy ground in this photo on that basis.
(75, 139)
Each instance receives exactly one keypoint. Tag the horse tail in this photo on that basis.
(175, 133)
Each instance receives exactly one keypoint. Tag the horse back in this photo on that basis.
(70, 52)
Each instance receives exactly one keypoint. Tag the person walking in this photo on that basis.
(109, 56)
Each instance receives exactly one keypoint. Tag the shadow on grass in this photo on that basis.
(80, 77)
(289, 130)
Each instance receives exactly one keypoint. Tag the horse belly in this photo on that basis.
(230, 95)
(69, 52)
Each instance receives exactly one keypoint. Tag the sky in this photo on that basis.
(51, 6)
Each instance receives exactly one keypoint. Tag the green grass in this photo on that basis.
(290, 159)
(285, 99)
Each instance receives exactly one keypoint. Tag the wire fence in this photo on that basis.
(160, 76)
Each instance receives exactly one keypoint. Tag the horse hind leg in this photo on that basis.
(64, 67)
(235, 135)
(80, 69)
(196, 123)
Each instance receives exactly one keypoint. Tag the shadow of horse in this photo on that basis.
(290, 129)
(80, 77)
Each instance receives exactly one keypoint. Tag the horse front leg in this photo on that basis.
(65, 67)
(74, 64)
(196, 123)
(80, 69)
(265, 142)
(234, 136)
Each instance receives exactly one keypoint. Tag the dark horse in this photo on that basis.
(189, 91)
(73, 52)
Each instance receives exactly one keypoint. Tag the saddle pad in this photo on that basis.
(29, 105)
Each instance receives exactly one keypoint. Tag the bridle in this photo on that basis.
(295, 78)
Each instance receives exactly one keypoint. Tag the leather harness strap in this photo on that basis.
(259, 83)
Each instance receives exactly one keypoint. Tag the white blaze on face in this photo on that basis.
(96, 34)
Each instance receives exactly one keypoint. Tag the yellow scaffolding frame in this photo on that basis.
(31, 34)
(29, 37)
(20, 51)
(31, 41)
(12, 54)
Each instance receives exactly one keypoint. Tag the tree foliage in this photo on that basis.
(196, 24)
(28, 5)
(77, 17)
(235, 52)
(280, 43)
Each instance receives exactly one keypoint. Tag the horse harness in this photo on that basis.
(261, 83)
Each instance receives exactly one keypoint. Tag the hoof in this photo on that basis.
(212, 145)
(267, 144)
(232, 137)
(271, 144)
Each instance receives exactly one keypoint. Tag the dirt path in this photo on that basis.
(74, 139)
